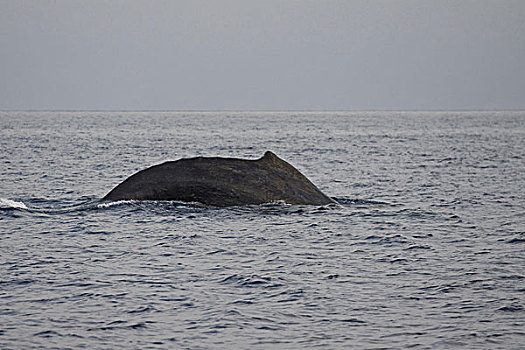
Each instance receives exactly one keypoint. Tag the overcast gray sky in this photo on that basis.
(262, 55)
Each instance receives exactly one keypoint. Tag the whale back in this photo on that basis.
(220, 182)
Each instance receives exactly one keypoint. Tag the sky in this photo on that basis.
(262, 55)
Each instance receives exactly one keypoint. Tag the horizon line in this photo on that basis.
(267, 110)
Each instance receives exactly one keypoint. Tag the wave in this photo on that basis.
(51, 207)
(6, 203)
(39, 206)
(104, 205)
(345, 201)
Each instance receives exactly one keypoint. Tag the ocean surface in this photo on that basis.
(425, 250)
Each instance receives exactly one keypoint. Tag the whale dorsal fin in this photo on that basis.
(271, 157)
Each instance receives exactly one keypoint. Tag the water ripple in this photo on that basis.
(423, 249)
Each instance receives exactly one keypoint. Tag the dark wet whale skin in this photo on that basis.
(221, 182)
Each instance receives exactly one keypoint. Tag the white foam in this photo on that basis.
(111, 204)
(9, 203)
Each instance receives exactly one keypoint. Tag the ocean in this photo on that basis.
(425, 250)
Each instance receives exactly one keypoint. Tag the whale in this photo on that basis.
(221, 182)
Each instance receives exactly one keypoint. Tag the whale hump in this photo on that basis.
(221, 182)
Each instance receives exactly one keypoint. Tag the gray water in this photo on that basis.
(425, 250)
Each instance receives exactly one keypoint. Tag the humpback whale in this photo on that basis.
(221, 182)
